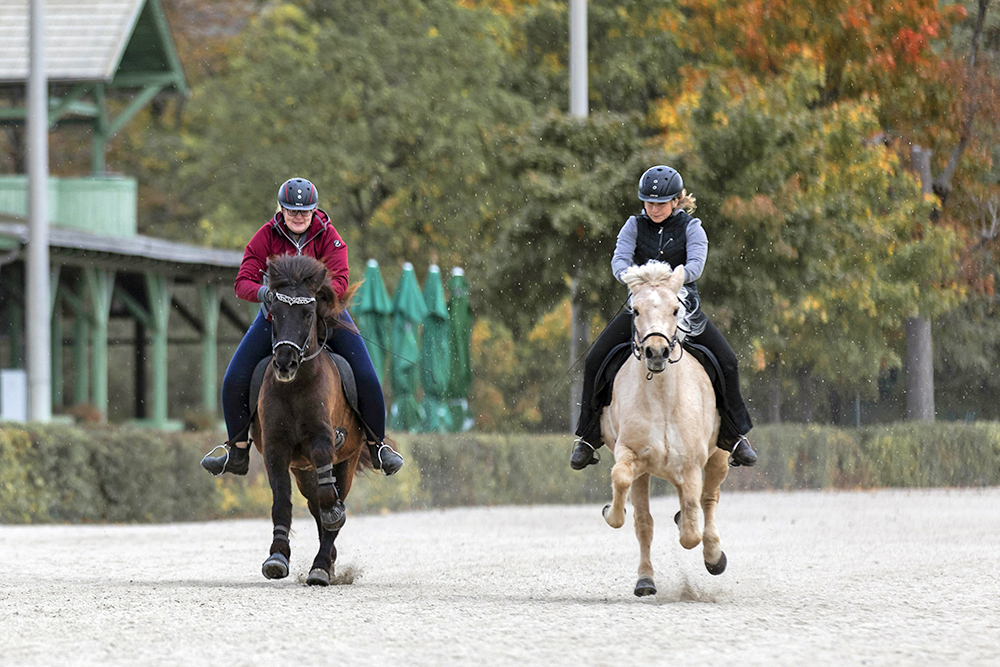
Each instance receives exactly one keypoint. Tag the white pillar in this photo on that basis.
(38, 312)
(578, 95)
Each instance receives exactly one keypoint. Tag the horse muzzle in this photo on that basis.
(285, 367)
(656, 359)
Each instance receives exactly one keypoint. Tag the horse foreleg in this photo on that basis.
(331, 509)
(622, 475)
(319, 573)
(715, 473)
(644, 533)
(276, 565)
(689, 491)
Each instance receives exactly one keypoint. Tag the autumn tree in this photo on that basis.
(818, 242)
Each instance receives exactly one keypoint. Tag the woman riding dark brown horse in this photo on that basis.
(304, 422)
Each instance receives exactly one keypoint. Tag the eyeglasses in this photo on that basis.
(289, 213)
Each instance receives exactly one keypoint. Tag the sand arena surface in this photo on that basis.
(814, 578)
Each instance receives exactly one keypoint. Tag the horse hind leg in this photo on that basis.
(644, 533)
(622, 475)
(715, 473)
(322, 566)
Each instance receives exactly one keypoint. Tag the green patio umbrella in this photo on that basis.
(372, 312)
(434, 357)
(408, 311)
(460, 340)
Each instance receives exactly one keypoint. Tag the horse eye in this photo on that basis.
(676, 310)
(635, 311)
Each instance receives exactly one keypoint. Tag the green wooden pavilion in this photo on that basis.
(101, 269)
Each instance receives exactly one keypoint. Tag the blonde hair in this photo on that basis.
(687, 202)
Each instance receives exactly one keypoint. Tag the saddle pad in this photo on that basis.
(346, 381)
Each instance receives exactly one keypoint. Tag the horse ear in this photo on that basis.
(676, 279)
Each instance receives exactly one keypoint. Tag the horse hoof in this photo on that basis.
(318, 577)
(677, 518)
(275, 567)
(644, 587)
(333, 519)
(719, 567)
(606, 511)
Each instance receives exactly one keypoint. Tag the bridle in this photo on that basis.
(671, 344)
(301, 349)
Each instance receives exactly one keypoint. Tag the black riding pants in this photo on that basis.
(618, 331)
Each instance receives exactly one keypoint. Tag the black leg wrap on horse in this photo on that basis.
(332, 518)
(325, 477)
(281, 533)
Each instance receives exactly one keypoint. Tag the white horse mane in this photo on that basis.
(654, 274)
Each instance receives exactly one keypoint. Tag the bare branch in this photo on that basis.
(942, 185)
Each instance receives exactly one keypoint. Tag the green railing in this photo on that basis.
(103, 205)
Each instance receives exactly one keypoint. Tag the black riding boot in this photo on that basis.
(584, 454)
(741, 453)
(235, 460)
(384, 457)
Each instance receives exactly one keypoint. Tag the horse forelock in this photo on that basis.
(654, 274)
(292, 270)
(651, 273)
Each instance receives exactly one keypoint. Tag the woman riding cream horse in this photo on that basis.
(666, 232)
(663, 422)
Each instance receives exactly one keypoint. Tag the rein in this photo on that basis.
(301, 301)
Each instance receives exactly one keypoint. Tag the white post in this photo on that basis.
(37, 306)
(578, 95)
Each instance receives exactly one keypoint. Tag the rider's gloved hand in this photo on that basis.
(265, 295)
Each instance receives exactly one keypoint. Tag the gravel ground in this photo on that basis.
(817, 578)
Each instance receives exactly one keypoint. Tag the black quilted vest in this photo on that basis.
(667, 242)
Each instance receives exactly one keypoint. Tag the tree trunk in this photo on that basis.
(919, 347)
(919, 370)
(579, 335)
(773, 395)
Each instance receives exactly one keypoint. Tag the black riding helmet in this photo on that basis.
(660, 184)
(298, 194)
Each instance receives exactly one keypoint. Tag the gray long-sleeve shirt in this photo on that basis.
(697, 249)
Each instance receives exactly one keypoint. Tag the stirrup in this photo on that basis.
(745, 462)
(381, 462)
(208, 456)
(595, 458)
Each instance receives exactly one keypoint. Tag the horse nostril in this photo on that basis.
(649, 353)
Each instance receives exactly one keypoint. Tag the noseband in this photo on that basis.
(637, 346)
(299, 301)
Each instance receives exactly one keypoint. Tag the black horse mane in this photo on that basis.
(295, 270)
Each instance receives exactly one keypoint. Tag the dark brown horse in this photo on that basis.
(304, 422)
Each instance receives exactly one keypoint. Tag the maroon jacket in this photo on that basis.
(321, 241)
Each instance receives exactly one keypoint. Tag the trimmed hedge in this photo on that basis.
(58, 473)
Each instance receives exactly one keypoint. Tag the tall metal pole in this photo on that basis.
(579, 108)
(578, 94)
(37, 302)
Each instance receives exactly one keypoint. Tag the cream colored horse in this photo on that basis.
(663, 422)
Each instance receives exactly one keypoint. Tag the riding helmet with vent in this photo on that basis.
(297, 194)
(660, 184)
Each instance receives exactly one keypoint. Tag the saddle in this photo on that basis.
(346, 381)
(605, 381)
